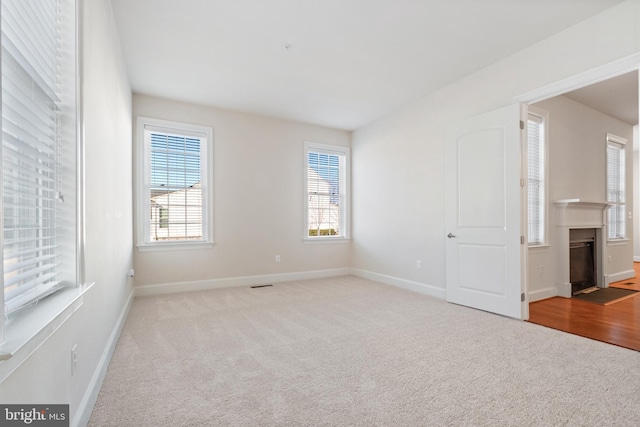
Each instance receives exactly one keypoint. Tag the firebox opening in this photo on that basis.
(582, 264)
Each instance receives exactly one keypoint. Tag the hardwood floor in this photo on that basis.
(617, 323)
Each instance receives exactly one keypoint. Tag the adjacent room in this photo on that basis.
(291, 212)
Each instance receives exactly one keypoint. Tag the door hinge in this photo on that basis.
(521, 124)
(522, 297)
(522, 240)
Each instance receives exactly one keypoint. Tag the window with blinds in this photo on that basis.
(174, 169)
(616, 187)
(326, 168)
(536, 199)
(38, 149)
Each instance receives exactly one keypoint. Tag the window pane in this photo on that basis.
(536, 177)
(176, 191)
(616, 192)
(324, 199)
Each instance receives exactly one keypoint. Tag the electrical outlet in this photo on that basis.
(419, 264)
(277, 258)
(74, 359)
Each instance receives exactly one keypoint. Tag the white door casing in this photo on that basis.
(484, 254)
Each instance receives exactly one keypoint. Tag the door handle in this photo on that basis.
(451, 235)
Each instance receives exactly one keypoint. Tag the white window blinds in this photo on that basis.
(326, 187)
(536, 178)
(324, 196)
(175, 190)
(38, 148)
(616, 187)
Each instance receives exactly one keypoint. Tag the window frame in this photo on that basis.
(27, 328)
(620, 144)
(143, 167)
(543, 116)
(344, 190)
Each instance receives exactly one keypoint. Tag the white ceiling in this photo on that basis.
(617, 97)
(349, 62)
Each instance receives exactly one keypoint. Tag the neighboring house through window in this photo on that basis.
(173, 188)
(326, 185)
(616, 193)
(537, 177)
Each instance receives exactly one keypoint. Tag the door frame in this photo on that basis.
(595, 75)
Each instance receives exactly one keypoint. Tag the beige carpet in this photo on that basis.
(350, 352)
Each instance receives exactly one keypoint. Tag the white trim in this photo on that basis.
(229, 282)
(141, 166)
(543, 115)
(541, 294)
(622, 275)
(31, 327)
(85, 408)
(636, 259)
(345, 190)
(410, 285)
(595, 75)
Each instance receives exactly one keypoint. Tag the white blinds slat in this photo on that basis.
(31, 70)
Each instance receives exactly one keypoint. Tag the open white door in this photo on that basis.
(483, 213)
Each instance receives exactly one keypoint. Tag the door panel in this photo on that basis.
(483, 212)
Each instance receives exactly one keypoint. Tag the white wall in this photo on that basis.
(45, 377)
(577, 169)
(258, 176)
(398, 161)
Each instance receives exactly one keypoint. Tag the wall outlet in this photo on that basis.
(131, 273)
(74, 359)
(419, 264)
(277, 258)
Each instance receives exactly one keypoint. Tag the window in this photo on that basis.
(326, 187)
(536, 167)
(39, 150)
(173, 188)
(616, 187)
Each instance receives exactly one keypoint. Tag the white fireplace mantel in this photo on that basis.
(576, 213)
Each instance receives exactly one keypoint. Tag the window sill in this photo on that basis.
(174, 246)
(617, 242)
(326, 240)
(30, 327)
(539, 248)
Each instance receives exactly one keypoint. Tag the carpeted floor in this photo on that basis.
(350, 352)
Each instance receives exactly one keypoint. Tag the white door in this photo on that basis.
(484, 253)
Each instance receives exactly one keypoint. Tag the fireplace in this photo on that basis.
(578, 247)
(582, 259)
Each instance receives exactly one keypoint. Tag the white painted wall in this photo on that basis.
(258, 180)
(398, 161)
(45, 377)
(577, 169)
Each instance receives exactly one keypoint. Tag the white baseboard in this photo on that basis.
(636, 259)
(91, 394)
(622, 275)
(401, 283)
(200, 285)
(541, 294)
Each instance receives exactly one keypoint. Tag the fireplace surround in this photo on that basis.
(579, 224)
